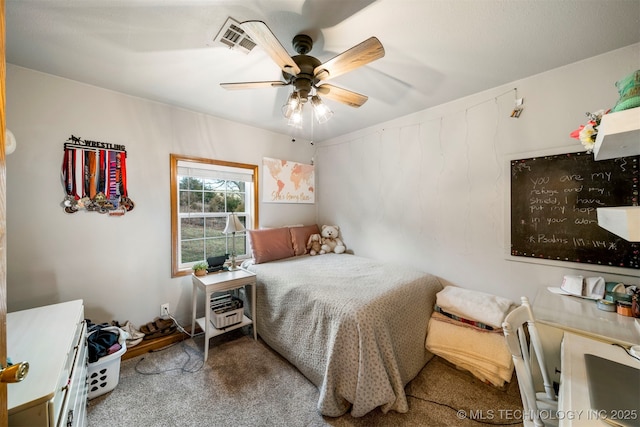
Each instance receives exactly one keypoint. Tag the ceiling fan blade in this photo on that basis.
(262, 35)
(345, 96)
(251, 85)
(359, 55)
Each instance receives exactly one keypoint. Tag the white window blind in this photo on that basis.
(203, 170)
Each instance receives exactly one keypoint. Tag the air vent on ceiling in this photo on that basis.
(233, 36)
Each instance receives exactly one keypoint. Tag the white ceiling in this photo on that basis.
(436, 50)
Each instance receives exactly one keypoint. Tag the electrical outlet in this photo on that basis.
(164, 309)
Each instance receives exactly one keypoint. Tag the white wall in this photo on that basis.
(428, 190)
(119, 266)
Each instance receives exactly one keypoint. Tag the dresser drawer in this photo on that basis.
(76, 380)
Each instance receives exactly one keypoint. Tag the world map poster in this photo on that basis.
(287, 182)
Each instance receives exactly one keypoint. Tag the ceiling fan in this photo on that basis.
(307, 74)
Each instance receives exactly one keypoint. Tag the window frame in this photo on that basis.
(176, 271)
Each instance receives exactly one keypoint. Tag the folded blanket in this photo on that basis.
(475, 305)
(450, 318)
(485, 355)
(462, 321)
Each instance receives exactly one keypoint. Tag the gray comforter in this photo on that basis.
(354, 327)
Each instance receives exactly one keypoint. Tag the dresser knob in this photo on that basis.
(14, 373)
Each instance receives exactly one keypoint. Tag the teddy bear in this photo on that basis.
(330, 240)
(313, 244)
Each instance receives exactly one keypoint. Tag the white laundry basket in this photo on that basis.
(103, 374)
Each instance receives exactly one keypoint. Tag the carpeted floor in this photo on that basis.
(245, 383)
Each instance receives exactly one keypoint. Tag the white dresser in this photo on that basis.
(53, 339)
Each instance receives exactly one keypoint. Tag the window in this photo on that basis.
(203, 193)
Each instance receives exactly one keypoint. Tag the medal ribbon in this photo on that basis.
(68, 172)
(123, 185)
(78, 163)
(113, 183)
(102, 180)
(93, 179)
(85, 169)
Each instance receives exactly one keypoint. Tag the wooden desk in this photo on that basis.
(574, 407)
(581, 316)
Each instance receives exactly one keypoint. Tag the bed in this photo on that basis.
(355, 327)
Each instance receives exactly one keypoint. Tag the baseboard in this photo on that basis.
(146, 346)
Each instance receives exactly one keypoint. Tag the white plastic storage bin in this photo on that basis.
(104, 373)
(226, 310)
(226, 319)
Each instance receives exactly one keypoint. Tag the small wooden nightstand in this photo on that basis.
(220, 282)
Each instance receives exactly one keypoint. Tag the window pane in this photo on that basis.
(235, 186)
(192, 228)
(184, 202)
(208, 200)
(215, 226)
(241, 247)
(214, 184)
(216, 246)
(216, 203)
(184, 182)
(195, 183)
(195, 201)
(235, 202)
(192, 250)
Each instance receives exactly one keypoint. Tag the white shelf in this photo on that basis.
(623, 221)
(618, 135)
(214, 332)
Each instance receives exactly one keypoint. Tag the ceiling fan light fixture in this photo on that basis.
(292, 103)
(294, 100)
(295, 118)
(322, 112)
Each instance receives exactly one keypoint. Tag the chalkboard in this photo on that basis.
(553, 208)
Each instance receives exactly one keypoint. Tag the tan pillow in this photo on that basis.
(300, 236)
(270, 244)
